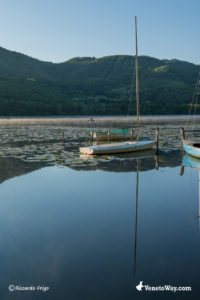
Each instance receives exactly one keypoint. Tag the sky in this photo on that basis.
(57, 30)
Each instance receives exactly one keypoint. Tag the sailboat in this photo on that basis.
(128, 146)
(192, 147)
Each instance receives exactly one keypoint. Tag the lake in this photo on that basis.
(76, 227)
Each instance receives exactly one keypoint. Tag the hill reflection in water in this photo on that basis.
(11, 167)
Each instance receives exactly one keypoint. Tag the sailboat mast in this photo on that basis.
(137, 82)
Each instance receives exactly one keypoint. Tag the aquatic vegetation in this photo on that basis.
(45, 143)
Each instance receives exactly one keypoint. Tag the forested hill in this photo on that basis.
(89, 85)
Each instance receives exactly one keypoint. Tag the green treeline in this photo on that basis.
(91, 86)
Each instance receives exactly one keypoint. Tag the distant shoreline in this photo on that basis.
(84, 121)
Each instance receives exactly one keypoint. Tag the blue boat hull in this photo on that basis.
(191, 150)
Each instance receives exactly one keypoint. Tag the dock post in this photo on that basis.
(63, 137)
(182, 133)
(182, 170)
(108, 135)
(131, 135)
(157, 139)
(92, 136)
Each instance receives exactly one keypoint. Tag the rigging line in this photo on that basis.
(133, 85)
(141, 79)
(195, 105)
(141, 92)
(194, 93)
(193, 98)
(192, 103)
(131, 90)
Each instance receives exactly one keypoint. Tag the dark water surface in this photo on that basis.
(95, 230)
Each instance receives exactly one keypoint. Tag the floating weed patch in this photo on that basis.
(106, 158)
(45, 143)
(44, 158)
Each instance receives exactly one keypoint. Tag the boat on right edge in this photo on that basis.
(190, 147)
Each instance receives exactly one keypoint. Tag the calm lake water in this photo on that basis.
(94, 228)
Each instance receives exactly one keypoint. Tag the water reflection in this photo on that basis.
(11, 167)
(127, 162)
(194, 163)
(95, 235)
(136, 216)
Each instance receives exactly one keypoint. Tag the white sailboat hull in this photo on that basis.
(118, 147)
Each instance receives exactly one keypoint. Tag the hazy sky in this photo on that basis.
(57, 30)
